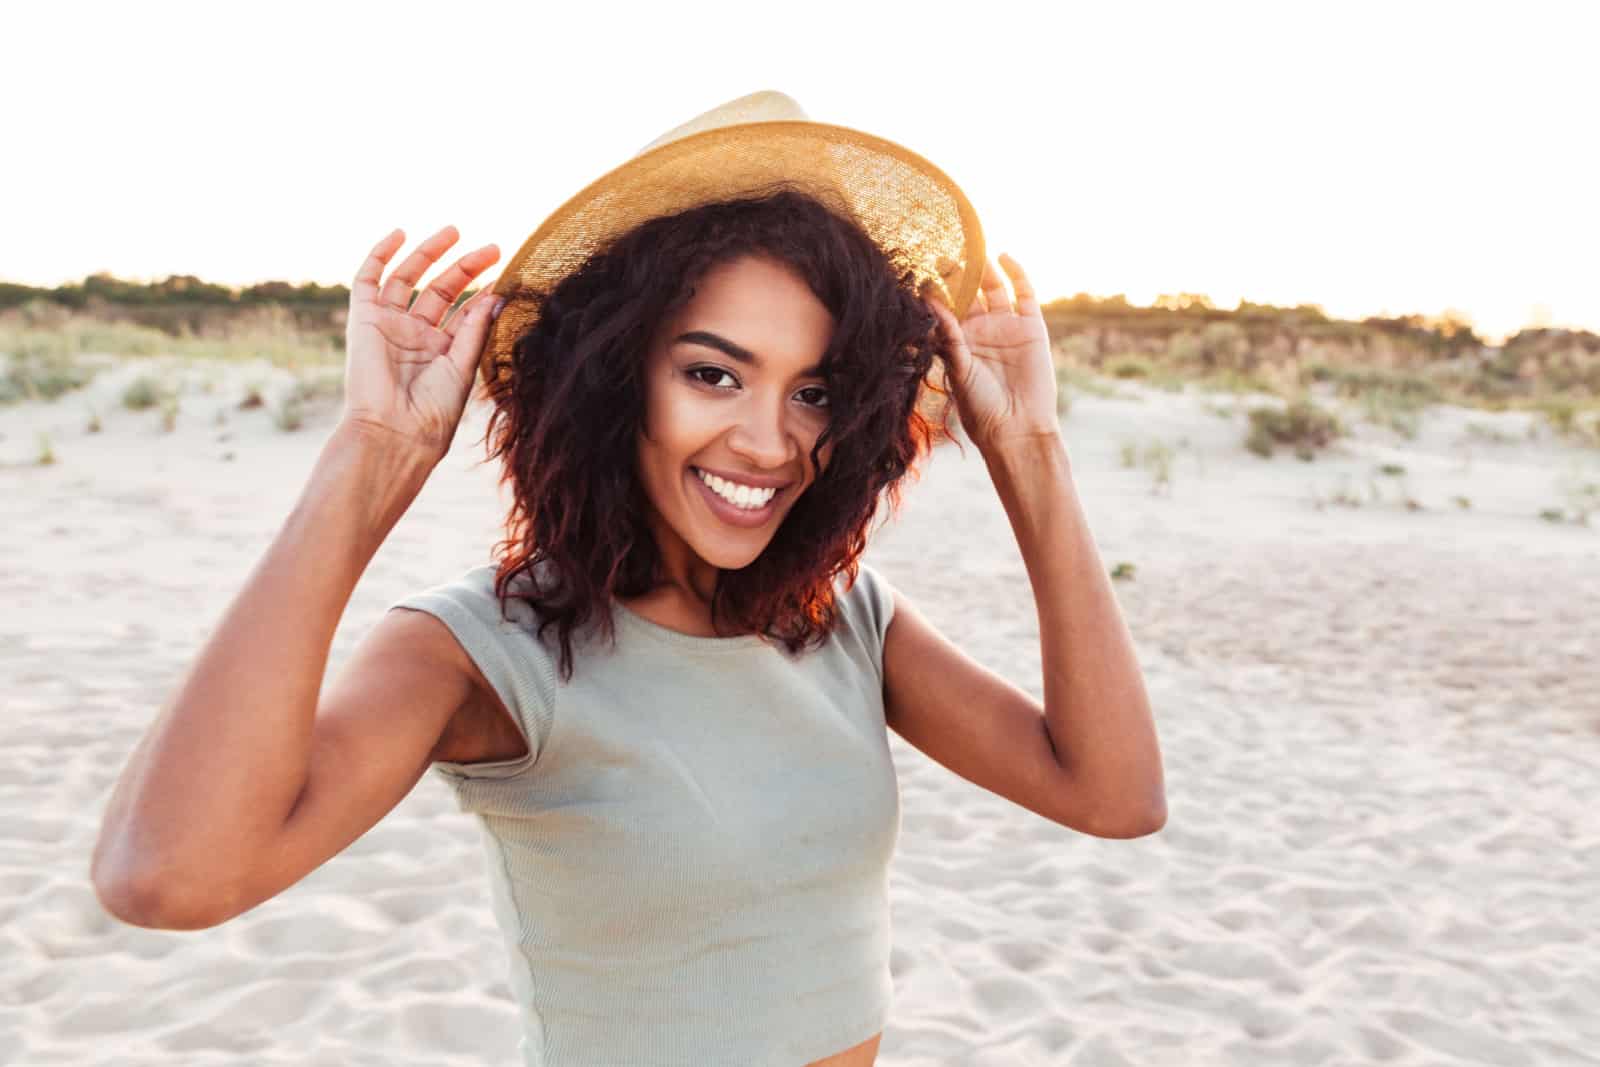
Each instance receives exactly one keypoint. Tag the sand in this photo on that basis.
(1380, 726)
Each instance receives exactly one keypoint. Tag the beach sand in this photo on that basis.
(1380, 727)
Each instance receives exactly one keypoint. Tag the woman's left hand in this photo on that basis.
(1000, 371)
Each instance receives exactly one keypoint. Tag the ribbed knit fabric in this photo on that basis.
(691, 864)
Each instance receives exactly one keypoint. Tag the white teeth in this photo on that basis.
(742, 496)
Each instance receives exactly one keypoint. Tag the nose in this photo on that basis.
(762, 438)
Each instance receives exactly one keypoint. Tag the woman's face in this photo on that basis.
(731, 389)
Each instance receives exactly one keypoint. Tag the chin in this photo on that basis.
(732, 562)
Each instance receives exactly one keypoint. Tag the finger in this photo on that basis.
(958, 358)
(950, 272)
(995, 297)
(433, 302)
(1027, 300)
(397, 290)
(473, 326)
(461, 314)
(366, 283)
(978, 306)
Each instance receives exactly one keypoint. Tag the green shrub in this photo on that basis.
(143, 392)
(1569, 417)
(1301, 425)
(1391, 411)
(290, 413)
(41, 369)
(1130, 367)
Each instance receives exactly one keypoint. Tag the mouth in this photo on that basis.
(731, 513)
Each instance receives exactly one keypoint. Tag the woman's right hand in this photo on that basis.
(406, 376)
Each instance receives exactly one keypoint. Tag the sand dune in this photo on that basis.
(1381, 729)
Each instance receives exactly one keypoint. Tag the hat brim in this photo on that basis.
(900, 199)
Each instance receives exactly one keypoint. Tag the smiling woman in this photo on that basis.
(698, 429)
(668, 699)
(764, 341)
(740, 448)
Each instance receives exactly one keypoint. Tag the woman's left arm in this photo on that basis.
(1096, 711)
(1095, 704)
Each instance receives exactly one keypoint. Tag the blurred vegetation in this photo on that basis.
(1302, 426)
(1390, 368)
(45, 334)
(182, 302)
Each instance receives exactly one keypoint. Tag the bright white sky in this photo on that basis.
(1378, 158)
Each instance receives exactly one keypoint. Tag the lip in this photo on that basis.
(754, 481)
(727, 512)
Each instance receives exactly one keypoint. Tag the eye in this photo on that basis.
(823, 402)
(695, 373)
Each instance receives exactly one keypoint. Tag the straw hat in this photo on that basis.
(750, 145)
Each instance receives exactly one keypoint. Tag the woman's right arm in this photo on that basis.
(206, 796)
(251, 777)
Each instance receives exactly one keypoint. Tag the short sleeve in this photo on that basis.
(512, 659)
(873, 607)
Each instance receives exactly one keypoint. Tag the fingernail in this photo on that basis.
(499, 303)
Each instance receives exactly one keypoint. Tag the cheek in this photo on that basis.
(823, 458)
(681, 418)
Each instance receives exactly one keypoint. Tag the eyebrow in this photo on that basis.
(738, 352)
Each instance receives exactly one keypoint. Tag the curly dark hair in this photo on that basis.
(566, 419)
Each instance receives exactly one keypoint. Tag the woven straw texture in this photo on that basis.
(900, 199)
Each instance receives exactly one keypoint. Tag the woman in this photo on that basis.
(668, 701)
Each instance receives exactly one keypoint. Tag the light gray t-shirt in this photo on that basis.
(690, 865)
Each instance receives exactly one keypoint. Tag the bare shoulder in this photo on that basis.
(379, 723)
(481, 727)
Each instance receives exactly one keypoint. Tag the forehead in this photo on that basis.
(760, 304)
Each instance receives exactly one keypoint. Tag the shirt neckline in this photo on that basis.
(667, 635)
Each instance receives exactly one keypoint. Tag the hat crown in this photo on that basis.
(766, 105)
(751, 146)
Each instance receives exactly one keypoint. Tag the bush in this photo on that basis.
(289, 415)
(143, 392)
(42, 372)
(1301, 425)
